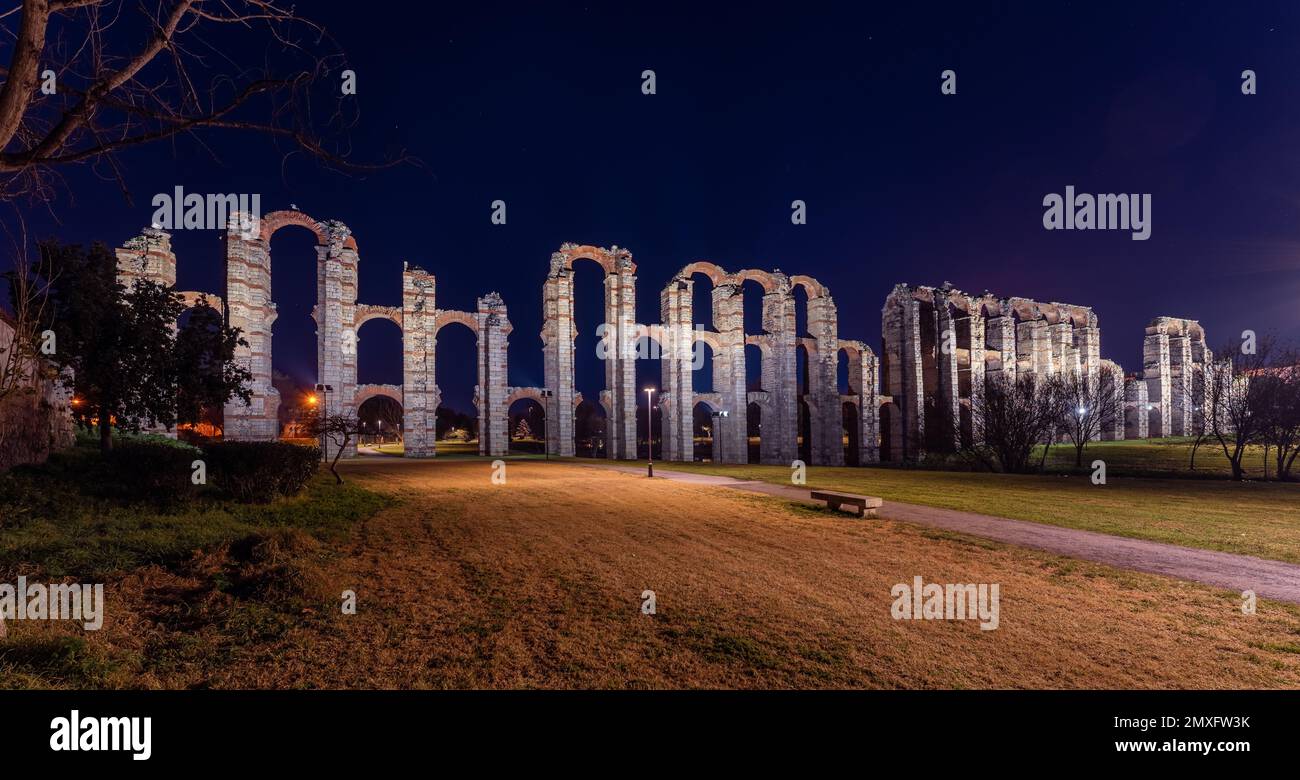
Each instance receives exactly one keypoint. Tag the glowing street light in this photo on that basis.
(649, 436)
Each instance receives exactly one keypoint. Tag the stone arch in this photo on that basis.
(190, 299)
(366, 392)
(367, 312)
(715, 273)
(447, 317)
(249, 307)
(769, 281)
(559, 331)
(812, 287)
(850, 414)
(272, 222)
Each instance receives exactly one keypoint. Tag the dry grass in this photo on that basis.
(1248, 518)
(537, 583)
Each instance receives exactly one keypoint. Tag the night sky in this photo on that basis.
(540, 106)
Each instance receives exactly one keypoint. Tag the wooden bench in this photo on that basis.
(866, 505)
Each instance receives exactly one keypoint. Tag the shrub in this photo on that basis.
(146, 471)
(258, 471)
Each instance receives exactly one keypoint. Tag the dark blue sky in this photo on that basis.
(540, 106)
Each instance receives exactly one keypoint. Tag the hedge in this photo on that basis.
(259, 471)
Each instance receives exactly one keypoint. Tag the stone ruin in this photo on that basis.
(940, 343)
(776, 403)
(338, 317)
(924, 385)
(1174, 361)
(938, 346)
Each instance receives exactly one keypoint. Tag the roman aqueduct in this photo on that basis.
(810, 419)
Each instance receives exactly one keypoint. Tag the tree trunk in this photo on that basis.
(105, 429)
(1238, 473)
(1078, 455)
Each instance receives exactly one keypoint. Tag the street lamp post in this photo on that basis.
(649, 434)
(719, 416)
(324, 390)
(546, 444)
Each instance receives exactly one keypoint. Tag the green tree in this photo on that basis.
(206, 372)
(116, 342)
(127, 365)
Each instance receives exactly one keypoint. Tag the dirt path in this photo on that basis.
(1268, 579)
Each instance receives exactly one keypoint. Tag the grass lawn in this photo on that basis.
(1253, 518)
(218, 574)
(1150, 457)
(464, 583)
(538, 582)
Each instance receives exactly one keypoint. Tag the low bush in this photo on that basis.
(145, 472)
(259, 471)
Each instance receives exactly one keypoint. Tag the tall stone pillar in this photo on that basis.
(419, 340)
(827, 423)
(971, 350)
(490, 395)
(779, 443)
(1087, 341)
(1000, 333)
(677, 396)
(903, 381)
(1203, 366)
(1155, 370)
(1136, 409)
(1111, 379)
(558, 333)
(147, 256)
(620, 364)
(729, 380)
(1061, 336)
(1033, 350)
(863, 388)
(249, 308)
(1181, 373)
(335, 334)
(948, 399)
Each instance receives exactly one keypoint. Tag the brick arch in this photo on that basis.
(709, 337)
(716, 273)
(768, 280)
(761, 340)
(520, 393)
(367, 312)
(811, 286)
(607, 259)
(446, 317)
(272, 222)
(366, 392)
(190, 299)
(853, 348)
(711, 401)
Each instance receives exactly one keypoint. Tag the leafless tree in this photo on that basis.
(1279, 396)
(1010, 417)
(75, 90)
(1237, 401)
(339, 429)
(1090, 406)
